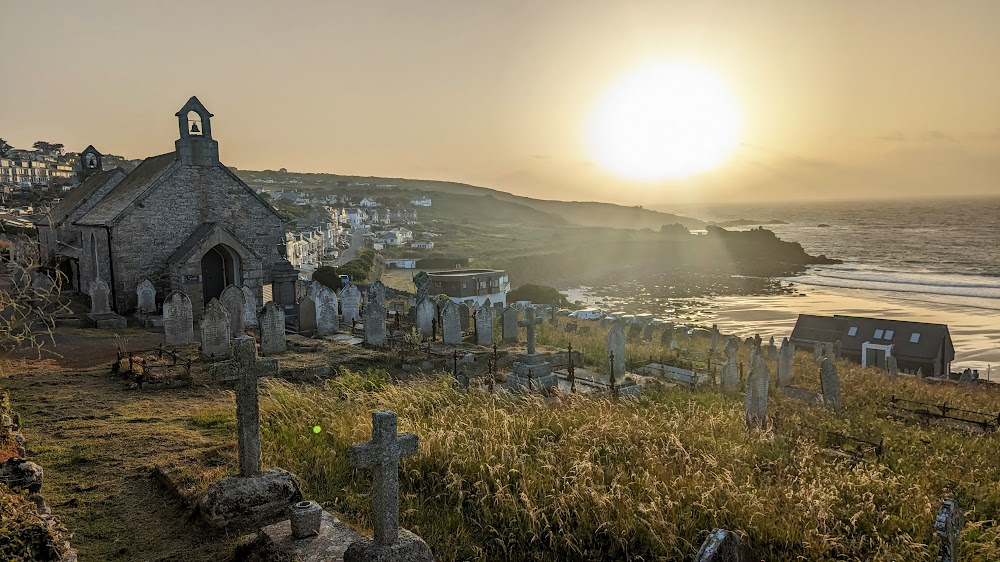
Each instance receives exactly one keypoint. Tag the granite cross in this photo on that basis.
(530, 322)
(245, 368)
(382, 454)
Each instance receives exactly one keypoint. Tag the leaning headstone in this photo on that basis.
(616, 345)
(145, 295)
(178, 319)
(464, 316)
(99, 292)
(350, 304)
(421, 281)
(382, 454)
(730, 377)
(327, 312)
(755, 402)
(271, 323)
(484, 326)
(451, 327)
(232, 298)
(509, 324)
(948, 527)
(375, 323)
(215, 330)
(426, 312)
(830, 383)
(725, 546)
(785, 359)
(249, 306)
(307, 316)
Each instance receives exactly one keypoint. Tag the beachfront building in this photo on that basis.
(915, 345)
(463, 285)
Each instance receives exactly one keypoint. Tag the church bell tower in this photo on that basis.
(195, 147)
(90, 163)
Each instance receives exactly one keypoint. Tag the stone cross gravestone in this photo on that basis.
(785, 358)
(529, 322)
(245, 368)
(350, 304)
(554, 308)
(178, 319)
(484, 326)
(830, 383)
(99, 292)
(232, 298)
(509, 324)
(272, 329)
(616, 345)
(421, 281)
(755, 401)
(375, 323)
(145, 295)
(249, 306)
(730, 376)
(725, 546)
(215, 330)
(382, 454)
(948, 527)
(307, 316)
(451, 327)
(426, 312)
(464, 316)
(772, 350)
(327, 312)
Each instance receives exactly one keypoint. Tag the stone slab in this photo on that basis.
(108, 320)
(538, 384)
(409, 548)
(240, 502)
(328, 546)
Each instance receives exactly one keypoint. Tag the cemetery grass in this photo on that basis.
(580, 478)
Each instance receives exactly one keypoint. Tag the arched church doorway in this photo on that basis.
(220, 267)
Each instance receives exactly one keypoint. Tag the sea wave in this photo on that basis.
(853, 276)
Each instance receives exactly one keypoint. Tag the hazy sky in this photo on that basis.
(839, 98)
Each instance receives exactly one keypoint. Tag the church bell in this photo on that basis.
(194, 127)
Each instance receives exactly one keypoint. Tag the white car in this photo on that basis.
(587, 314)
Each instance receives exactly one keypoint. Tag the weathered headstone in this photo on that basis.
(554, 308)
(891, 365)
(375, 323)
(772, 350)
(382, 454)
(145, 296)
(271, 323)
(307, 316)
(465, 316)
(376, 291)
(730, 376)
(232, 298)
(616, 345)
(755, 401)
(531, 370)
(313, 289)
(451, 327)
(216, 332)
(249, 306)
(830, 383)
(327, 312)
(350, 304)
(426, 312)
(785, 359)
(634, 332)
(667, 337)
(484, 326)
(99, 293)
(725, 546)
(509, 324)
(529, 323)
(715, 339)
(178, 319)
(647, 332)
(948, 527)
(421, 281)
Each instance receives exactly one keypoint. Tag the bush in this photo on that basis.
(328, 277)
(538, 294)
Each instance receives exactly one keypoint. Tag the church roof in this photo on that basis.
(77, 196)
(129, 190)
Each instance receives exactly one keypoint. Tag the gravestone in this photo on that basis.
(245, 368)
(464, 316)
(307, 316)
(570, 328)
(421, 281)
(667, 337)
(375, 323)
(99, 292)
(785, 358)
(426, 312)
(634, 332)
(891, 365)
(755, 401)
(484, 326)
(509, 324)
(529, 322)
(948, 527)
(725, 546)
(216, 332)
(647, 332)
(715, 339)
(772, 350)
(327, 312)
(616, 345)
(376, 291)
(554, 308)
(249, 307)
(313, 289)
(830, 383)
(232, 298)
(350, 304)
(271, 323)
(730, 376)
(178, 319)
(531, 370)
(382, 454)
(451, 327)
(145, 296)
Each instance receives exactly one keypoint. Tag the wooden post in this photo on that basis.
(571, 371)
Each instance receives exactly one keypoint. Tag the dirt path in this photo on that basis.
(98, 443)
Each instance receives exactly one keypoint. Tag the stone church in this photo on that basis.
(182, 219)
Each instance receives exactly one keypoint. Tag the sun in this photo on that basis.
(664, 120)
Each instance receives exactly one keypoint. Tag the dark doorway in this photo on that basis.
(220, 267)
